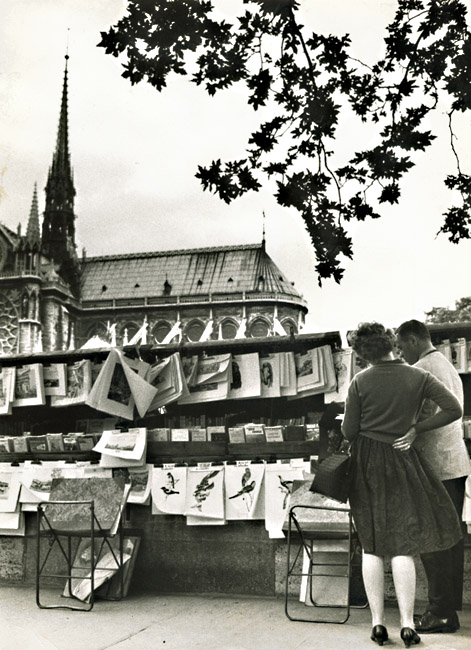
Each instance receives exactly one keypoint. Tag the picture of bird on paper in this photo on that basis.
(205, 493)
(169, 490)
(279, 479)
(242, 490)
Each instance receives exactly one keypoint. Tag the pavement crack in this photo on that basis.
(126, 638)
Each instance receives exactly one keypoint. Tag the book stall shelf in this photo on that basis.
(40, 420)
(454, 341)
(244, 523)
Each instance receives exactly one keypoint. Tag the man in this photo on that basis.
(444, 449)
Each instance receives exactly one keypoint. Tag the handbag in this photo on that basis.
(333, 476)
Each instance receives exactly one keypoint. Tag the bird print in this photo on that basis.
(285, 487)
(169, 487)
(203, 489)
(246, 491)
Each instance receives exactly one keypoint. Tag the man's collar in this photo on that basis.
(427, 351)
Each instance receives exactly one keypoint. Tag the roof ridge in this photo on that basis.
(174, 252)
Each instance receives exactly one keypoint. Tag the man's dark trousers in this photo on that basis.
(444, 569)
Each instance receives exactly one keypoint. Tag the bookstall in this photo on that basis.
(228, 422)
(454, 341)
(212, 434)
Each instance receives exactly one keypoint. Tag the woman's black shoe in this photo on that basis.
(379, 634)
(408, 635)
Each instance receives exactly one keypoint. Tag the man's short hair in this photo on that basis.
(414, 328)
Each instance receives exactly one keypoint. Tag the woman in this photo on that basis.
(399, 507)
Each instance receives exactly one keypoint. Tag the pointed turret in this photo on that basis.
(33, 234)
(58, 233)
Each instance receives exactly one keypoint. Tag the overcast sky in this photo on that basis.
(135, 152)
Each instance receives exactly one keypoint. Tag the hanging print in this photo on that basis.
(169, 490)
(242, 488)
(279, 479)
(205, 492)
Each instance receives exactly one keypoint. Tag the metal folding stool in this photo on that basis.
(309, 533)
(60, 535)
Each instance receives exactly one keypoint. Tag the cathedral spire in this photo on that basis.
(33, 234)
(58, 232)
(60, 189)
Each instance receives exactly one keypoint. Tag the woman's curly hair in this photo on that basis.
(372, 341)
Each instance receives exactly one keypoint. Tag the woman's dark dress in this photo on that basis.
(399, 506)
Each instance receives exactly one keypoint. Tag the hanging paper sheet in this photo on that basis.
(36, 480)
(288, 383)
(122, 448)
(204, 521)
(245, 376)
(269, 364)
(309, 370)
(29, 386)
(169, 490)
(79, 383)
(120, 385)
(205, 492)
(168, 379)
(7, 390)
(242, 490)
(343, 371)
(213, 380)
(141, 479)
(12, 523)
(9, 489)
(55, 378)
(279, 479)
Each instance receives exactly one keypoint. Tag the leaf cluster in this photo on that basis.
(310, 82)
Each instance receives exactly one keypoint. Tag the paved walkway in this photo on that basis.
(181, 622)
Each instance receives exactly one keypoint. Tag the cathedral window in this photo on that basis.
(259, 328)
(160, 331)
(131, 328)
(98, 329)
(194, 330)
(289, 326)
(228, 329)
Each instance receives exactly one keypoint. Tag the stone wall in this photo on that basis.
(238, 558)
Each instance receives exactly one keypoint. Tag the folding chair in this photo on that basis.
(314, 539)
(87, 534)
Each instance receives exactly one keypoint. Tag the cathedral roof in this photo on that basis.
(11, 236)
(189, 272)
